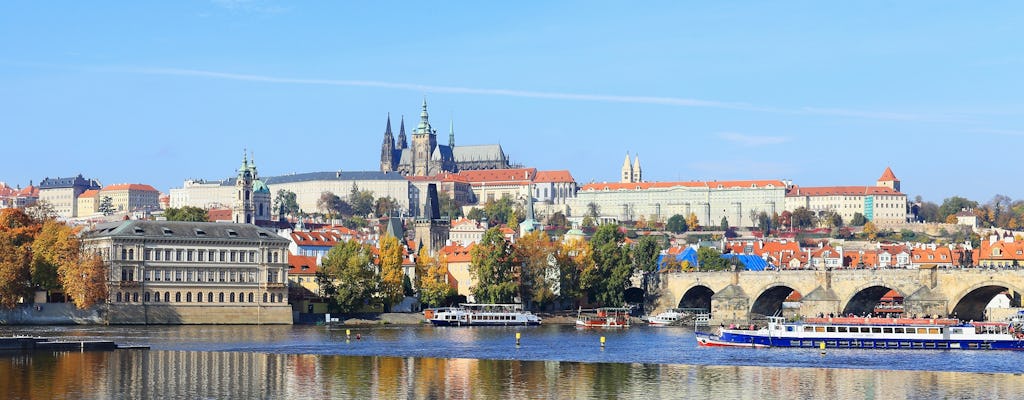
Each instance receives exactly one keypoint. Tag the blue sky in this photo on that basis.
(159, 92)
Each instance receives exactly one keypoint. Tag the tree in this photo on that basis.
(349, 275)
(286, 201)
(84, 280)
(645, 258)
(361, 201)
(17, 230)
(692, 223)
(831, 219)
(513, 221)
(764, 222)
(558, 220)
(614, 266)
(186, 213)
(449, 207)
(476, 214)
(593, 210)
(332, 206)
(389, 262)
(497, 280)
(499, 211)
(385, 206)
(786, 219)
(588, 223)
(40, 210)
(433, 284)
(106, 206)
(858, 220)
(928, 211)
(710, 259)
(725, 224)
(803, 218)
(575, 258)
(955, 204)
(870, 230)
(676, 224)
(55, 246)
(535, 252)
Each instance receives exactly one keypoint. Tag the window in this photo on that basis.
(220, 297)
(222, 255)
(188, 256)
(131, 254)
(177, 275)
(264, 297)
(250, 297)
(232, 298)
(167, 297)
(124, 256)
(209, 297)
(199, 297)
(146, 297)
(188, 297)
(119, 297)
(232, 256)
(200, 255)
(189, 279)
(147, 254)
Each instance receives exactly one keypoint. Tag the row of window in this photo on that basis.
(868, 329)
(240, 256)
(200, 297)
(197, 275)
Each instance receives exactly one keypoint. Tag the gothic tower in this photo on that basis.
(387, 149)
(451, 134)
(402, 144)
(627, 171)
(242, 211)
(431, 229)
(424, 141)
(638, 176)
(889, 180)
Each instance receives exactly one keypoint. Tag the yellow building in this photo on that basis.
(131, 197)
(88, 203)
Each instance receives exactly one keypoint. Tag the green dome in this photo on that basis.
(260, 187)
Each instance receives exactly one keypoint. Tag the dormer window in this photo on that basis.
(232, 233)
(167, 231)
(262, 234)
(139, 230)
(200, 232)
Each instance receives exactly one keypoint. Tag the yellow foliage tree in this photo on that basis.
(56, 246)
(433, 283)
(691, 222)
(85, 281)
(391, 275)
(870, 230)
(951, 219)
(17, 231)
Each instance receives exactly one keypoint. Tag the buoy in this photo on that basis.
(518, 336)
(602, 342)
(821, 345)
(348, 333)
(358, 337)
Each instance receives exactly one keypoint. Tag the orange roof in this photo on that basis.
(442, 177)
(888, 175)
(500, 175)
(561, 176)
(89, 193)
(131, 186)
(316, 238)
(29, 191)
(6, 190)
(301, 265)
(218, 214)
(698, 184)
(457, 253)
(840, 191)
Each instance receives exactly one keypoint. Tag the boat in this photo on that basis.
(678, 316)
(605, 317)
(871, 333)
(482, 315)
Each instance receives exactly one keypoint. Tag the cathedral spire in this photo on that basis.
(387, 149)
(424, 126)
(627, 171)
(402, 144)
(451, 133)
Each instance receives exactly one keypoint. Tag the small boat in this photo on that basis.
(871, 333)
(674, 316)
(482, 315)
(605, 317)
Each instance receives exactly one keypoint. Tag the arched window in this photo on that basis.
(241, 297)
(156, 297)
(146, 297)
(188, 297)
(250, 297)
(177, 297)
(124, 254)
(199, 297)
(118, 297)
(131, 254)
(221, 297)
(264, 297)
(209, 297)
(167, 297)
(232, 298)
(135, 297)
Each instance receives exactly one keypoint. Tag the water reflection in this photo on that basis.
(147, 374)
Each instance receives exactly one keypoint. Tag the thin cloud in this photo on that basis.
(752, 140)
(670, 101)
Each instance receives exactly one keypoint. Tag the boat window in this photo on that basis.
(830, 329)
(933, 330)
(789, 329)
(819, 329)
(808, 329)
(876, 330)
(841, 329)
(886, 330)
(900, 330)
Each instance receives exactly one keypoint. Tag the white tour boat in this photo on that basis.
(482, 315)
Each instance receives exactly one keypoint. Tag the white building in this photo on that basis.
(882, 203)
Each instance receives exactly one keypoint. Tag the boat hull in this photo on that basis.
(733, 339)
(484, 323)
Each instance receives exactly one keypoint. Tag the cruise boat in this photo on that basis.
(606, 317)
(872, 333)
(482, 315)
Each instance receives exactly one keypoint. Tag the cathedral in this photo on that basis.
(426, 157)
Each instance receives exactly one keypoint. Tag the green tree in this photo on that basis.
(498, 211)
(491, 264)
(513, 221)
(803, 218)
(645, 258)
(389, 262)
(332, 206)
(476, 214)
(764, 222)
(360, 200)
(588, 223)
(614, 266)
(385, 206)
(449, 207)
(676, 224)
(286, 200)
(186, 213)
(593, 210)
(710, 259)
(953, 205)
(725, 224)
(106, 206)
(858, 220)
(349, 275)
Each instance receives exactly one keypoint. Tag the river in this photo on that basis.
(482, 362)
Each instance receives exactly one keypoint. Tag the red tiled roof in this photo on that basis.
(457, 253)
(500, 175)
(89, 193)
(301, 265)
(218, 214)
(840, 191)
(317, 238)
(661, 185)
(561, 176)
(442, 177)
(29, 191)
(888, 175)
(6, 190)
(131, 186)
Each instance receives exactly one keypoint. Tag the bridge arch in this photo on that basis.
(697, 296)
(633, 295)
(865, 298)
(771, 299)
(970, 304)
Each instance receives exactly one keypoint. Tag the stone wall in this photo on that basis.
(51, 314)
(136, 314)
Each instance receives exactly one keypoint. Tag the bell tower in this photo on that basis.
(387, 149)
(242, 212)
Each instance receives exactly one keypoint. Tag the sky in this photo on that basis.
(829, 93)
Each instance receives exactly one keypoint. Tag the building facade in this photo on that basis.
(426, 157)
(62, 193)
(882, 203)
(168, 272)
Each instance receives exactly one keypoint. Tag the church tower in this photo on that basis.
(431, 229)
(638, 175)
(627, 171)
(451, 134)
(387, 149)
(242, 211)
(402, 144)
(889, 180)
(424, 141)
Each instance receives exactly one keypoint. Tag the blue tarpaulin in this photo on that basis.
(753, 263)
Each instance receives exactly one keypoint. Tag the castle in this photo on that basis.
(427, 158)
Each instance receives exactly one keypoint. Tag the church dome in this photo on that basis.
(260, 187)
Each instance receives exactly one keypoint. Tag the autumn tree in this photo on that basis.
(535, 253)
(389, 262)
(497, 278)
(349, 275)
(513, 221)
(614, 266)
(692, 223)
(575, 259)
(17, 230)
(385, 206)
(55, 247)
(186, 213)
(870, 230)
(84, 280)
(432, 279)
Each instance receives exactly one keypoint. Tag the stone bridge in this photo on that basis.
(736, 296)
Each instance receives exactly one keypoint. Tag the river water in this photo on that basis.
(482, 362)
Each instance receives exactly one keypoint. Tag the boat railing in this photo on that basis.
(882, 321)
